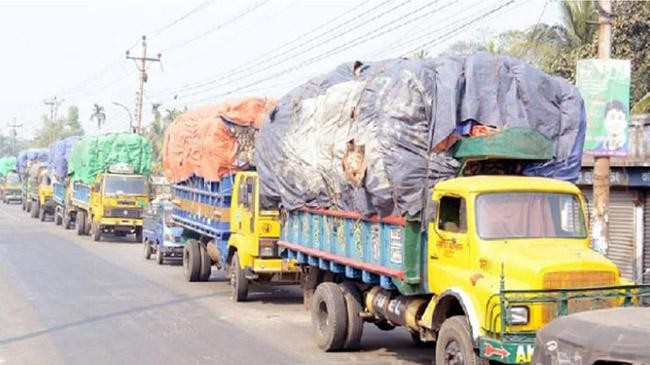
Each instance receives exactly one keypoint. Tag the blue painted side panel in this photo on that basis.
(376, 243)
(59, 193)
(214, 193)
(81, 192)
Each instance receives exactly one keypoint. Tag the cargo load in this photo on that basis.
(215, 140)
(57, 162)
(29, 156)
(375, 137)
(93, 155)
(7, 164)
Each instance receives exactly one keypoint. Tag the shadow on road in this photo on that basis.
(102, 317)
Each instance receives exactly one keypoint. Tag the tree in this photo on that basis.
(420, 54)
(63, 127)
(580, 20)
(99, 115)
(171, 114)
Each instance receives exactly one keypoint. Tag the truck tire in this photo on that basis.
(67, 220)
(354, 306)
(41, 214)
(35, 208)
(191, 260)
(96, 231)
(329, 317)
(80, 222)
(454, 343)
(159, 256)
(147, 249)
(138, 234)
(58, 220)
(29, 207)
(238, 281)
(206, 264)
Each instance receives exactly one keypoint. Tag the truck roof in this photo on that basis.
(486, 183)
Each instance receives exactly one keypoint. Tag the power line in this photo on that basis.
(217, 27)
(196, 9)
(227, 78)
(271, 54)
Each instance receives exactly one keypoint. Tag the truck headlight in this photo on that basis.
(517, 315)
(268, 248)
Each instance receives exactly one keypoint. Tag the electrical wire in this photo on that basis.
(194, 10)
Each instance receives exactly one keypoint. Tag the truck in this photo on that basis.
(39, 191)
(64, 212)
(445, 208)
(161, 236)
(228, 227)
(25, 161)
(114, 203)
(59, 153)
(10, 188)
(107, 184)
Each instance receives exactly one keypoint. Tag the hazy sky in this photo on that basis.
(215, 49)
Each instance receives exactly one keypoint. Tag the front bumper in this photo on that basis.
(126, 223)
(171, 250)
(271, 266)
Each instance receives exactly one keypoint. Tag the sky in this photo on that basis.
(215, 49)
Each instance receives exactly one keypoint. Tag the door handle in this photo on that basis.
(433, 257)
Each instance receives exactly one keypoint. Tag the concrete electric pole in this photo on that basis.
(53, 103)
(141, 64)
(14, 135)
(601, 163)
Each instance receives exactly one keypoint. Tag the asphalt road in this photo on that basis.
(65, 299)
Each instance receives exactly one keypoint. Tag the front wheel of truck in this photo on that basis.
(147, 249)
(80, 222)
(41, 214)
(35, 209)
(329, 317)
(96, 231)
(58, 220)
(191, 260)
(238, 281)
(138, 234)
(454, 343)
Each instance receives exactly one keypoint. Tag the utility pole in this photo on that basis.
(601, 163)
(53, 103)
(141, 64)
(13, 127)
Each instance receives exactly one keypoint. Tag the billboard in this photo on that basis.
(605, 87)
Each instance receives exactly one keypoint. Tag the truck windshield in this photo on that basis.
(13, 179)
(124, 185)
(529, 215)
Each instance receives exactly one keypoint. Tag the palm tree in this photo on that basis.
(420, 54)
(579, 18)
(170, 115)
(99, 115)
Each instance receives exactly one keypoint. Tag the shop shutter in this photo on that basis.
(646, 237)
(621, 229)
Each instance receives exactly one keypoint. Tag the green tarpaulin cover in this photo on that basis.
(509, 143)
(7, 164)
(93, 155)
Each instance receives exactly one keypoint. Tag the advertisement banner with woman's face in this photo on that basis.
(605, 87)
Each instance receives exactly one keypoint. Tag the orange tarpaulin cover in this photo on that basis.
(199, 142)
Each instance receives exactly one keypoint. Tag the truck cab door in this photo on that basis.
(247, 190)
(448, 243)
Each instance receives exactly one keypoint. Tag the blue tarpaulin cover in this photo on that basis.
(58, 157)
(27, 157)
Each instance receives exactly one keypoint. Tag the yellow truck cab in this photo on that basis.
(40, 192)
(255, 229)
(113, 204)
(11, 188)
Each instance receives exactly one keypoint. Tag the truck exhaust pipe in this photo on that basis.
(399, 310)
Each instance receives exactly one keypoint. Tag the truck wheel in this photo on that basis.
(80, 222)
(354, 306)
(147, 249)
(58, 220)
(138, 234)
(206, 264)
(454, 343)
(159, 256)
(23, 205)
(41, 214)
(191, 260)
(238, 281)
(29, 206)
(67, 220)
(96, 231)
(34, 209)
(329, 317)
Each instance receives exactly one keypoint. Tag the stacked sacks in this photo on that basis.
(28, 157)
(93, 155)
(57, 162)
(374, 138)
(213, 141)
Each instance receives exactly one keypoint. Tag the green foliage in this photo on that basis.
(66, 126)
(579, 19)
(155, 133)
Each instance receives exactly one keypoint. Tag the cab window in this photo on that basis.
(452, 215)
(249, 193)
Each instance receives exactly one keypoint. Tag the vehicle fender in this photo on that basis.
(435, 313)
(238, 243)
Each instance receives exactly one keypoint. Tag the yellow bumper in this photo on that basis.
(268, 266)
(120, 222)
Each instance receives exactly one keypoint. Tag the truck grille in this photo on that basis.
(123, 213)
(575, 280)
